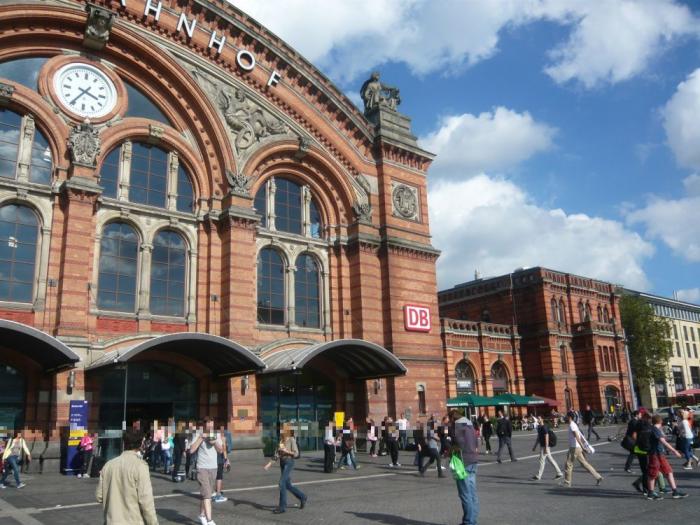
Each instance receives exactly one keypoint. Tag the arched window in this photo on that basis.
(568, 399)
(581, 312)
(141, 106)
(465, 378)
(10, 124)
(599, 311)
(600, 358)
(315, 221)
(270, 287)
(168, 265)
(612, 397)
(119, 250)
(19, 233)
(149, 175)
(421, 400)
(288, 206)
(564, 359)
(606, 315)
(613, 359)
(42, 163)
(109, 174)
(555, 310)
(306, 292)
(562, 311)
(606, 356)
(499, 378)
(185, 194)
(12, 398)
(260, 205)
(588, 316)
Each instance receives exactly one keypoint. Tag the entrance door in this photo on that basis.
(12, 399)
(154, 391)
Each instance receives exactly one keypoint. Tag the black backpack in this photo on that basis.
(644, 438)
(552, 438)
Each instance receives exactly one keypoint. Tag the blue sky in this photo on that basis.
(566, 131)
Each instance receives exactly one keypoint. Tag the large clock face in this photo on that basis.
(85, 90)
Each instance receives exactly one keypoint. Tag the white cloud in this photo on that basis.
(610, 40)
(492, 141)
(689, 295)
(680, 117)
(676, 222)
(492, 225)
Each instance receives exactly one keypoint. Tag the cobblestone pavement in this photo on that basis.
(381, 495)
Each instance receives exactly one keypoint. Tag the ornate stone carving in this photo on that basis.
(246, 120)
(84, 145)
(238, 183)
(304, 145)
(404, 199)
(98, 26)
(29, 128)
(155, 132)
(6, 91)
(363, 211)
(375, 94)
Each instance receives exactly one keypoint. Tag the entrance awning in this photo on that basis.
(220, 355)
(471, 400)
(689, 392)
(360, 359)
(517, 400)
(48, 351)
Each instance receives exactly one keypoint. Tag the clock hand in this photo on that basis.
(82, 92)
(87, 92)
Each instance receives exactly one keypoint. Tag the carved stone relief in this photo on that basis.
(84, 145)
(98, 26)
(238, 183)
(404, 201)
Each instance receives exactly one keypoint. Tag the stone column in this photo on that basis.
(173, 166)
(24, 155)
(291, 295)
(124, 171)
(145, 281)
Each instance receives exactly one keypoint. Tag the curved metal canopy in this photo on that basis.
(360, 359)
(48, 351)
(220, 355)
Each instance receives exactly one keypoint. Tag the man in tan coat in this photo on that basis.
(125, 489)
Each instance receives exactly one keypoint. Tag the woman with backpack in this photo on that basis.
(546, 439)
(287, 451)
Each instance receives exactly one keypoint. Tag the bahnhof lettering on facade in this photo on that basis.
(194, 221)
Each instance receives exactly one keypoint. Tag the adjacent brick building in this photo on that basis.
(192, 217)
(567, 328)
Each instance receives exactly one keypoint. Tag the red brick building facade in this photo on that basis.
(192, 213)
(567, 329)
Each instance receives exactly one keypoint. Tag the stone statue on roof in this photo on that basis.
(375, 94)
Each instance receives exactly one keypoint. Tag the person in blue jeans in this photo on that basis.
(466, 444)
(286, 452)
(10, 458)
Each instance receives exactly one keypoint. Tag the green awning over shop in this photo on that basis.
(471, 400)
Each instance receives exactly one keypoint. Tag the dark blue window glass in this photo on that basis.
(315, 223)
(270, 287)
(10, 123)
(260, 204)
(306, 292)
(109, 173)
(19, 231)
(118, 264)
(141, 106)
(42, 163)
(288, 206)
(24, 71)
(168, 265)
(149, 175)
(185, 194)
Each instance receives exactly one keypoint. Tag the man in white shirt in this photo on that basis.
(577, 444)
(402, 425)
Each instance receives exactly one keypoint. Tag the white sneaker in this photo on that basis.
(86, 475)
(211, 522)
(203, 520)
(398, 465)
(79, 476)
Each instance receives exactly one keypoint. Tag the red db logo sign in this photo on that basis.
(416, 318)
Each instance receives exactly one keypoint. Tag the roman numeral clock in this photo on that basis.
(84, 90)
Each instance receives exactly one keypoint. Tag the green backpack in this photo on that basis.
(457, 467)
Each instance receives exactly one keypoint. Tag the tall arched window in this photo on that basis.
(185, 193)
(270, 287)
(600, 358)
(168, 265)
(581, 312)
(499, 378)
(42, 162)
(555, 310)
(562, 311)
(306, 292)
(606, 315)
(149, 175)
(288, 206)
(19, 232)
(119, 250)
(564, 359)
(10, 124)
(465, 378)
(568, 399)
(109, 174)
(612, 397)
(260, 205)
(588, 315)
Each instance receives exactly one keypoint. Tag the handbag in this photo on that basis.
(627, 443)
(457, 466)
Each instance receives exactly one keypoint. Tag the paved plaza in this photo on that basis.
(379, 494)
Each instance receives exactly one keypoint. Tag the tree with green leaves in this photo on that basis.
(648, 340)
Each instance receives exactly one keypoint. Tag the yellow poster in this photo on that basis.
(339, 419)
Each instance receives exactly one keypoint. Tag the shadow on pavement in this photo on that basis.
(258, 506)
(594, 493)
(173, 516)
(388, 519)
